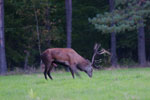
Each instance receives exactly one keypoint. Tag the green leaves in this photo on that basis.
(126, 16)
(20, 29)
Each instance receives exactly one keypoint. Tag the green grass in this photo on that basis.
(121, 84)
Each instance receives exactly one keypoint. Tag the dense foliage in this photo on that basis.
(21, 34)
(126, 16)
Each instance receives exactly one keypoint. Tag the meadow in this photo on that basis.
(118, 84)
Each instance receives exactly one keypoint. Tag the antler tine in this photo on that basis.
(104, 51)
(96, 47)
(98, 61)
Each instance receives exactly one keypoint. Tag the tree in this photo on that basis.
(141, 41)
(113, 38)
(3, 66)
(128, 15)
(37, 25)
(141, 46)
(68, 5)
(68, 21)
(21, 28)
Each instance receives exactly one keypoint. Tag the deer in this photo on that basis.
(71, 59)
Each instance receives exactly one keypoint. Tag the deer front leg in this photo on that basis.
(74, 70)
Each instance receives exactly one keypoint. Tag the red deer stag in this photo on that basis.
(69, 58)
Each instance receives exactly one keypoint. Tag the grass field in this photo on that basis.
(121, 84)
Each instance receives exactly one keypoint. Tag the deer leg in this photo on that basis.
(77, 74)
(72, 72)
(75, 71)
(48, 72)
(50, 67)
(45, 72)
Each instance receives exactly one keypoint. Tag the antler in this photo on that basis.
(96, 52)
(96, 47)
(103, 51)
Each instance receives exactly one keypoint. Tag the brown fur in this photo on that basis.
(65, 56)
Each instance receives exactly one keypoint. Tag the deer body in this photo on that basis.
(71, 59)
(67, 57)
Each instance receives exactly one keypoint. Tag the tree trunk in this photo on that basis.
(38, 33)
(47, 25)
(68, 4)
(3, 66)
(113, 50)
(141, 45)
(26, 60)
(113, 39)
(68, 21)
(37, 30)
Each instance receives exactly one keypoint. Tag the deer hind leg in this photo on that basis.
(45, 72)
(49, 72)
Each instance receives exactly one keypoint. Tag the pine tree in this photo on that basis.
(127, 16)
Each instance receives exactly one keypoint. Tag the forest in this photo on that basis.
(28, 27)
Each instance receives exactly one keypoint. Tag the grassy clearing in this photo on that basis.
(122, 84)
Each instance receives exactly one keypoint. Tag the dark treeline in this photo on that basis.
(25, 18)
